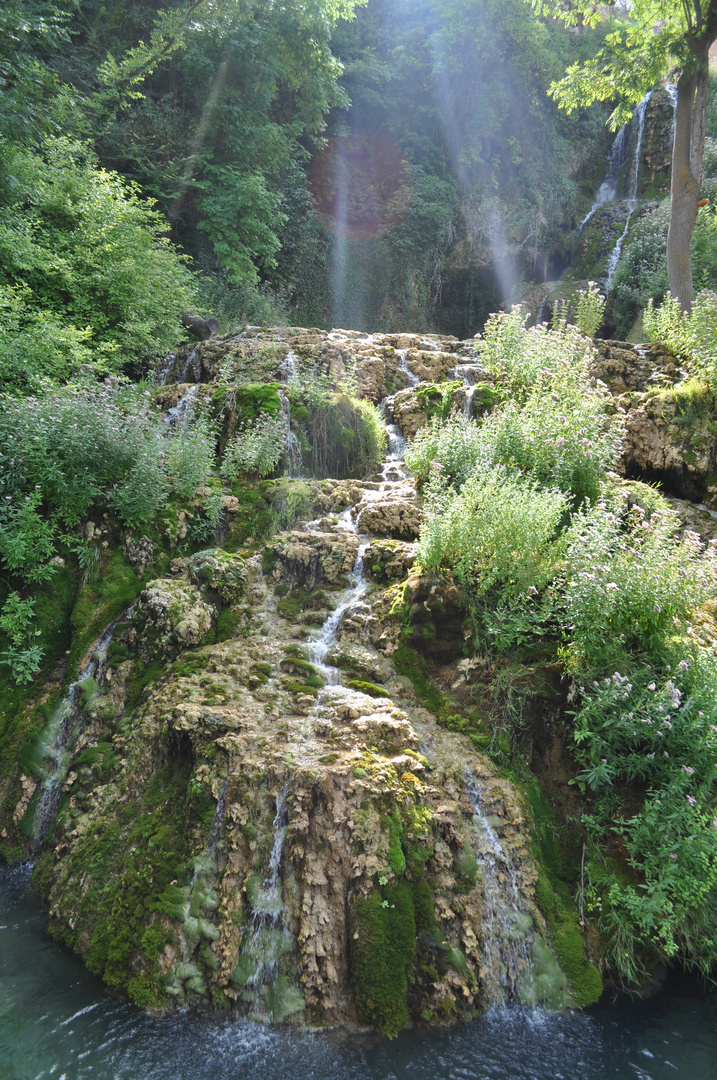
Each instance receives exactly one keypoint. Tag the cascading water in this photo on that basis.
(179, 415)
(294, 462)
(265, 990)
(507, 938)
(639, 116)
(320, 646)
(60, 737)
(402, 355)
(607, 192)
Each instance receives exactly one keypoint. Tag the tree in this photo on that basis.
(650, 40)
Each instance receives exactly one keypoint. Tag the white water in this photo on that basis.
(294, 461)
(505, 923)
(179, 415)
(62, 733)
(632, 201)
(328, 634)
(607, 192)
(402, 355)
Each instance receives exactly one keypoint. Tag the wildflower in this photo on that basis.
(692, 800)
(651, 686)
(688, 769)
(672, 855)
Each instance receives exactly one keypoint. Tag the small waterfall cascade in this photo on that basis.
(290, 367)
(264, 988)
(607, 192)
(612, 263)
(188, 369)
(469, 375)
(294, 461)
(179, 415)
(402, 355)
(319, 647)
(60, 736)
(507, 925)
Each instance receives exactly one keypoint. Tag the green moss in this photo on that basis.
(382, 952)
(112, 588)
(228, 622)
(396, 857)
(368, 688)
(465, 866)
(411, 664)
(567, 941)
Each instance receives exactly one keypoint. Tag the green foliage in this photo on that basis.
(189, 456)
(346, 435)
(589, 309)
(23, 656)
(453, 448)
(692, 335)
(631, 578)
(256, 449)
(567, 941)
(83, 259)
(651, 727)
(497, 535)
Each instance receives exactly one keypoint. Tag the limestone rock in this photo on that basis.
(220, 571)
(388, 560)
(306, 558)
(408, 413)
(397, 518)
(170, 616)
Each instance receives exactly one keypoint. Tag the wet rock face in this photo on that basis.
(399, 519)
(437, 618)
(626, 368)
(660, 446)
(307, 558)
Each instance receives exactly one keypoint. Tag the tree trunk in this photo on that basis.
(684, 192)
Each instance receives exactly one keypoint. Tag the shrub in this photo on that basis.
(257, 448)
(23, 655)
(630, 578)
(692, 336)
(452, 447)
(497, 535)
(652, 728)
(520, 359)
(64, 450)
(83, 256)
(562, 439)
(189, 455)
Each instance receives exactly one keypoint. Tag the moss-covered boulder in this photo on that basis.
(170, 615)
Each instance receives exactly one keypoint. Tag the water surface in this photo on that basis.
(57, 1021)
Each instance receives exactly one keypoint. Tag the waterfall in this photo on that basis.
(290, 366)
(632, 202)
(639, 113)
(178, 416)
(507, 937)
(319, 647)
(60, 737)
(607, 192)
(402, 355)
(294, 462)
(265, 989)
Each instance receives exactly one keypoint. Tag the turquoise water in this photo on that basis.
(57, 1021)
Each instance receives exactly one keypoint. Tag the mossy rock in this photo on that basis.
(221, 571)
(566, 938)
(367, 688)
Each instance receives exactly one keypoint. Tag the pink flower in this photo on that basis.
(688, 769)
(672, 855)
(692, 800)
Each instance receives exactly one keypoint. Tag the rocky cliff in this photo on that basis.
(258, 794)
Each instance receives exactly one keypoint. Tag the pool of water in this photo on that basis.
(57, 1021)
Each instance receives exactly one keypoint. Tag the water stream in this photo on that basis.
(58, 740)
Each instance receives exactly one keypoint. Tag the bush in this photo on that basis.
(630, 578)
(692, 336)
(64, 450)
(189, 455)
(452, 447)
(23, 655)
(652, 729)
(257, 448)
(82, 258)
(520, 359)
(498, 536)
